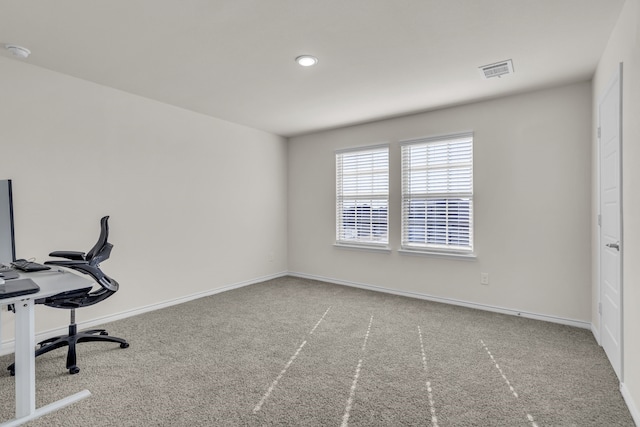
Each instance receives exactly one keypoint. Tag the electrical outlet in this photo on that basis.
(484, 278)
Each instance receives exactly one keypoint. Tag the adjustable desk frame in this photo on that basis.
(51, 282)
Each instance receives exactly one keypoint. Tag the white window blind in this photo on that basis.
(362, 196)
(437, 194)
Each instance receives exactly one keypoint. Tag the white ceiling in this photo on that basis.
(234, 59)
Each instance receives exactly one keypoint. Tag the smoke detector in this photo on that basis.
(498, 69)
(19, 51)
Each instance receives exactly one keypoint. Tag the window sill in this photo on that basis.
(372, 248)
(437, 254)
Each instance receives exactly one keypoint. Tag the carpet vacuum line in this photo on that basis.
(513, 391)
(345, 417)
(432, 409)
(284, 370)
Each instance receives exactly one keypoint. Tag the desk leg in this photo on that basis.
(25, 367)
(25, 341)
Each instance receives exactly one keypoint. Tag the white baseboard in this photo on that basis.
(529, 315)
(635, 413)
(596, 334)
(8, 347)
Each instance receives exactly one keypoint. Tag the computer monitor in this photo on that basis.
(7, 237)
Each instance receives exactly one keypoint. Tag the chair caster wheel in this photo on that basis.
(74, 370)
(104, 333)
(124, 345)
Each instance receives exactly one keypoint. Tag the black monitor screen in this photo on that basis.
(7, 240)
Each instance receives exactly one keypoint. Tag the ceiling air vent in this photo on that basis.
(497, 70)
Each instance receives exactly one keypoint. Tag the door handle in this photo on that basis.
(615, 246)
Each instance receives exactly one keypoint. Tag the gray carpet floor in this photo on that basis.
(299, 352)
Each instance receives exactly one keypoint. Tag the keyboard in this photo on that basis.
(24, 265)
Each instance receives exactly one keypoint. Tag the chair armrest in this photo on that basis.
(65, 263)
(78, 256)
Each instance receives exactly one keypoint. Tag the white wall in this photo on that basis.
(624, 46)
(532, 200)
(196, 203)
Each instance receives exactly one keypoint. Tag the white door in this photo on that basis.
(610, 119)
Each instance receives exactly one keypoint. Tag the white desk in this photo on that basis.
(51, 282)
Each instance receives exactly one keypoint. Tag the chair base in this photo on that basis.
(71, 340)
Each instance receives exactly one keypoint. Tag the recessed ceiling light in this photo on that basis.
(19, 51)
(306, 60)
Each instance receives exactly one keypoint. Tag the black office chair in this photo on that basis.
(89, 264)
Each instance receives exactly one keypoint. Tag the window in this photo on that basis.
(362, 196)
(437, 194)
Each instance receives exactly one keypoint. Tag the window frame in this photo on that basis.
(381, 196)
(462, 200)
